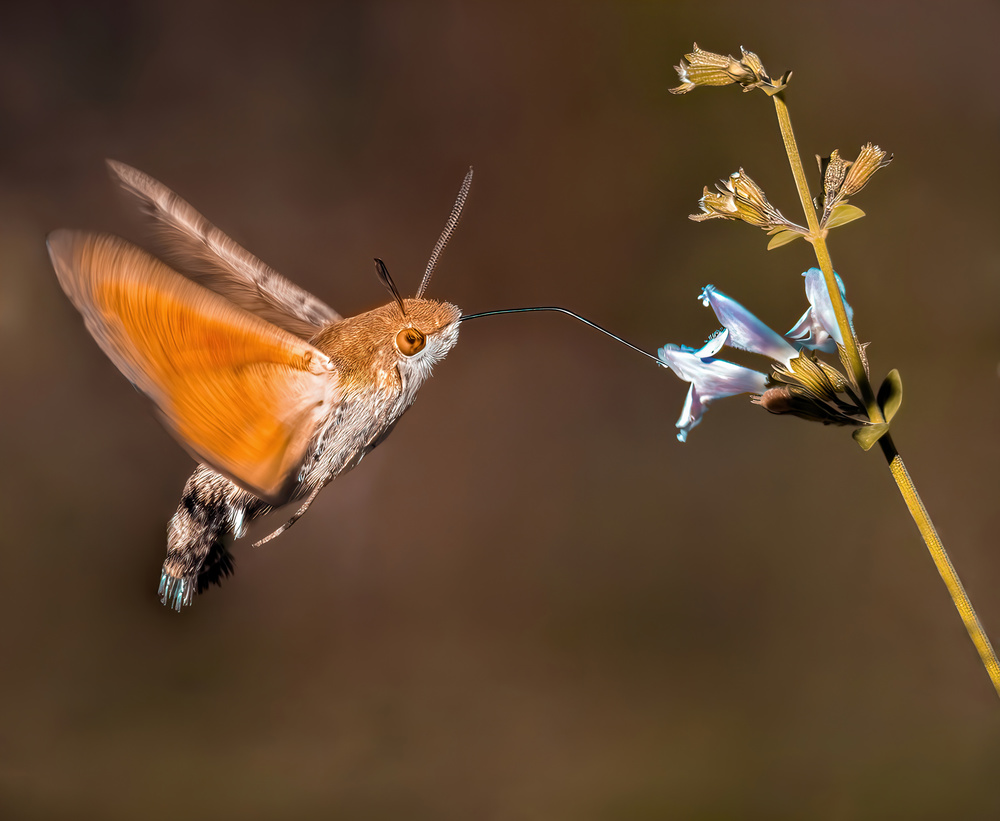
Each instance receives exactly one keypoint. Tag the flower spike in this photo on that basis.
(806, 386)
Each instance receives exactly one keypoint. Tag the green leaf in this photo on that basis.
(782, 238)
(870, 434)
(844, 214)
(890, 394)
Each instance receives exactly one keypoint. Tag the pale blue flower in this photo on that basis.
(817, 329)
(710, 378)
(713, 378)
(746, 332)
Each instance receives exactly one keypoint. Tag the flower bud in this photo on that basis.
(843, 179)
(705, 68)
(740, 198)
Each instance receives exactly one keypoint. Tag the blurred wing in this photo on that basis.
(194, 246)
(241, 395)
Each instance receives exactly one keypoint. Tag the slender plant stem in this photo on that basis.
(817, 237)
(941, 561)
(852, 350)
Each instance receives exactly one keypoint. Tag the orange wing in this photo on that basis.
(239, 393)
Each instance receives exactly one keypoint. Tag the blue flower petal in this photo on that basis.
(817, 328)
(691, 414)
(746, 332)
(710, 379)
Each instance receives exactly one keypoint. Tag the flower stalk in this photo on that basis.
(817, 237)
(854, 359)
(941, 560)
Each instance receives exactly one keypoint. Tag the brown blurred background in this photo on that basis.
(532, 602)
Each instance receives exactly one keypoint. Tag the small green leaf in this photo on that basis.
(870, 434)
(844, 214)
(782, 238)
(890, 394)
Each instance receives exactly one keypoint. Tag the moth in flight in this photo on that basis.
(270, 389)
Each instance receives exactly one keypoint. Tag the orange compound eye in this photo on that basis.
(410, 341)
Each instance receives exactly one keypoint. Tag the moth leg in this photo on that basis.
(295, 516)
(211, 508)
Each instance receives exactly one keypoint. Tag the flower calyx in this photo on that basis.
(811, 389)
(706, 68)
(740, 198)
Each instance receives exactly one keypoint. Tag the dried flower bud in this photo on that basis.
(870, 160)
(741, 198)
(705, 68)
(834, 171)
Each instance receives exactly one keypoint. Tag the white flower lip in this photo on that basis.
(710, 378)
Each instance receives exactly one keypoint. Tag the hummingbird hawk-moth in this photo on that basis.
(270, 389)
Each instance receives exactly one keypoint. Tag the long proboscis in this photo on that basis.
(568, 312)
(449, 229)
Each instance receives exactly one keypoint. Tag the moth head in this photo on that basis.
(423, 329)
(427, 329)
(423, 335)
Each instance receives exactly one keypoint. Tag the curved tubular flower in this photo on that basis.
(817, 328)
(710, 378)
(747, 332)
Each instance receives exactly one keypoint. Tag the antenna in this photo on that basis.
(449, 229)
(383, 275)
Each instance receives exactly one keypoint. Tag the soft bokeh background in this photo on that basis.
(533, 602)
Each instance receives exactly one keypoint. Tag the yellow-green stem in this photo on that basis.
(939, 555)
(818, 239)
(941, 561)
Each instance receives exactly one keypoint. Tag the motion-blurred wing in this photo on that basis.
(242, 395)
(197, 248)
